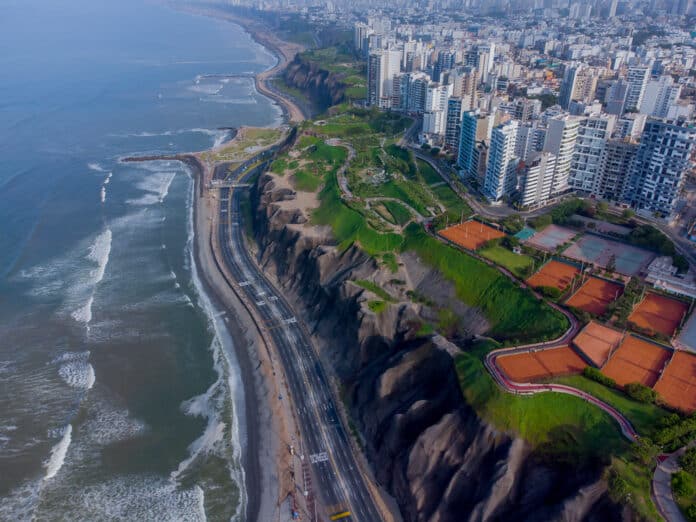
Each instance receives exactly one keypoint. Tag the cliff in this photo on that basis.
(427, 446)
(324, 88)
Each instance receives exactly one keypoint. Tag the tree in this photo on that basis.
(688, 461)
(645, 451)
(683, 484)
(627, 213)
(510, 242)
(602, 207)
(640, 393)
(681, 263)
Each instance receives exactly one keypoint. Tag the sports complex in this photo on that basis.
(655, 347)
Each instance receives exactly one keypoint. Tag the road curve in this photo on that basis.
(337, 474)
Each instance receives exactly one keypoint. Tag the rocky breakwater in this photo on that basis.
(426, 445)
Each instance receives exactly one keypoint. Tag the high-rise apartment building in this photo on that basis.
(586, 163)
(561, 134)
(382, 66)
(617, 163)
(659, 96)
(455, 110)
(501, 170)
(637, 79)
(537, 179)
(662, 161)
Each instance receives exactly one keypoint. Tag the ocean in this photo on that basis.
(119, 397)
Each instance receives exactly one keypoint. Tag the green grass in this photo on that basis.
(328, 153)
(307, 141)
(428, 173)
(552, 422)
(644, 417)
(515, 263)
(356, 92)
(348, 225)
(639, 480)
(514, 313)
(377, 306)
(279, 166)
(452, 202)
(306, 182)
(375, 289)
(400, 213)
(389, 259)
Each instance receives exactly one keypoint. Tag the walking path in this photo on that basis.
(662, 485)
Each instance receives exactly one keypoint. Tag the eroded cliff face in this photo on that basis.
(426, 445)
(323, 87)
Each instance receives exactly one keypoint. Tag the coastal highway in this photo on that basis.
(338, 478)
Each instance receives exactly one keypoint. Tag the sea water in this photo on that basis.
(119, 395)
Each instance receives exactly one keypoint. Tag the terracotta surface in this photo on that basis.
(677, 385)
(596, 342)
(595, 295)
(659, 314)
(555, 274)
(636, 360)
(471, 234)
(543, 364)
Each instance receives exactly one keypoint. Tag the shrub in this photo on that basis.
(688, 461)
(683, 484)
(691, 513)
(597, 376)
(549, 291)
(618, 487)
(640, 393)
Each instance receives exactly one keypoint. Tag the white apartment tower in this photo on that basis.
(660, 95)
(382, 66)
(586, 163)
(501, 172)
(561, 134)
(637, 78)
(537, 180)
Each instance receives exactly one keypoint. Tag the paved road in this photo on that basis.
(662, 485)
(339, 479)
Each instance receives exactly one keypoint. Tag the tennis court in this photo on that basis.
(554, 274)
(677, 384)
(659, 314)
(551, 237)
(542, 364)
(595, 295)
(637, 360)
(629, 260)
(471, 234)
(597, 341)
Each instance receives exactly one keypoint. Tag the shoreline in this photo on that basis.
(284, 52)
(268, 425)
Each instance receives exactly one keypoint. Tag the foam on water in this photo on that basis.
(58, 453)
(156, 186)
(84, 313)
(99, 253)
(95, 167)
(226, 366)
(102, 194)
(78, 374)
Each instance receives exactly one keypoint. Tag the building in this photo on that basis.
(435, 111)
(586, 163)
(637, 79)
(660, 96)
(616, 97)
(475, 130)
(382, 66)
(561, 134)
(616, 166)
(455, 111)
(537, 180)
(501, 171)
(662, 161)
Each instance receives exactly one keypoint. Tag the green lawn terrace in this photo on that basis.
(382, 183)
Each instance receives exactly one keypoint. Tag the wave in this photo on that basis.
(103, 187)
(78, 374)
(99, 253)
(84, 313)
(102, 194)
(95, 167)
(58, 453)
(231, 101)
(157, 187)
(227, 385)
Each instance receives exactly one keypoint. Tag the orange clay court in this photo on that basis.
(595, 295)
(471, 234)
(677, 385)
(659, 314)
(596, 342)
(543, 364)
(555, 274)
(636, 360)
